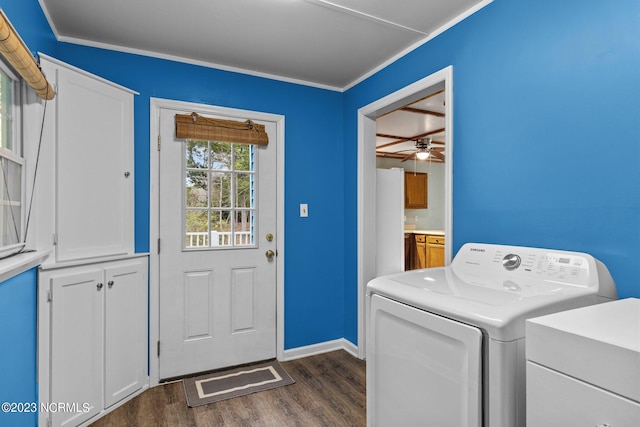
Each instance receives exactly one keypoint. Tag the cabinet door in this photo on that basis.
(435, 251)
(76, 345)
(415, 190)
(94, 185)
(421, 251)
(125, 330)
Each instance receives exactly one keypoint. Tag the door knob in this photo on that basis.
(270, 254)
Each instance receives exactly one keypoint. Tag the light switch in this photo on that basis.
(304, 210)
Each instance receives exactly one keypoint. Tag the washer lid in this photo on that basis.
(480, 290)
(608, 333)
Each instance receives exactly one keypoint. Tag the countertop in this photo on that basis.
(430, 232)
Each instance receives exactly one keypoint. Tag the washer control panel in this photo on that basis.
(479, 259)
(511, 261)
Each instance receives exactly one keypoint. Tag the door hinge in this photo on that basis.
(159, 142)
(55, 239)
(49, 296)
(158, 246)
(158, 348)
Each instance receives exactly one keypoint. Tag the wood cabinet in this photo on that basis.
(421, 251)
(415, 190)
(97, 345)
(435, 251)
(424, 251)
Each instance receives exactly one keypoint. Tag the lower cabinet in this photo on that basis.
(421, 251)
(97, 337)
(429, 251)
(435, 251)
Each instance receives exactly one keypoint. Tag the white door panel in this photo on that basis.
(422, 369)
(217, 300)
(125, 330)
(76, 336)
(94, 186)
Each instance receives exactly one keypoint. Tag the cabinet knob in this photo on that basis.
(99, 285)
(110, 283)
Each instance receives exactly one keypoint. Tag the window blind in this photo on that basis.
(195, 126)
(18, 55)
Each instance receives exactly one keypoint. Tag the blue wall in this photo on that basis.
(313, 125)
(18, 347)
(546, 130)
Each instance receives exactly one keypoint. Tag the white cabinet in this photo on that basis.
(95, 337)
(583, 367)
(76, 342)
(85, 185)
(125, 329)
(92, 291)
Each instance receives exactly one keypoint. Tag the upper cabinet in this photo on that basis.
(89, 166)
(415, 190)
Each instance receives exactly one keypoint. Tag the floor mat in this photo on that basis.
(221, 385)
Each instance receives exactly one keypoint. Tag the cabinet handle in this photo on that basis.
(110, 283)
(99, 285)
(604, 425)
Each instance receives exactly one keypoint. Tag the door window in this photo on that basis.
(220, 202)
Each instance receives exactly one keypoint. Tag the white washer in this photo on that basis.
(445, 346)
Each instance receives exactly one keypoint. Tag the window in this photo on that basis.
(220, 208)
(11, 164)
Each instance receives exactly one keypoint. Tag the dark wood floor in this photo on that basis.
(329, 391)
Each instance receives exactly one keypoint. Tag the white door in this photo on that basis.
(217, 251)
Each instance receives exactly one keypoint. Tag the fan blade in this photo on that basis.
(437, 155)
(407, 157)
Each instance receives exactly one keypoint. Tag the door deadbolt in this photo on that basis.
(269, 237)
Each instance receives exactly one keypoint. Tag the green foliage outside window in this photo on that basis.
(219, 181)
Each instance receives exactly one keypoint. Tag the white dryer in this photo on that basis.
(445, 346)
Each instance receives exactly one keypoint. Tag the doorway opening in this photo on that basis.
(367, 236)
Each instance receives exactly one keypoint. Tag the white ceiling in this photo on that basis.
(331, 44)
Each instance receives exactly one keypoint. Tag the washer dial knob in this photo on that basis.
(511, 261)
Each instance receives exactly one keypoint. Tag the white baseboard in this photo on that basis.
(324, 347)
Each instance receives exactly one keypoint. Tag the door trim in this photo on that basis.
(158, 104)
(367, 238)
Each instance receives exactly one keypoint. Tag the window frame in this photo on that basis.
(15, 154)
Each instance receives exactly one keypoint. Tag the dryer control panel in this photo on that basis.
(571, 268)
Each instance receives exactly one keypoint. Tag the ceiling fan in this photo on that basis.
(424, 150)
